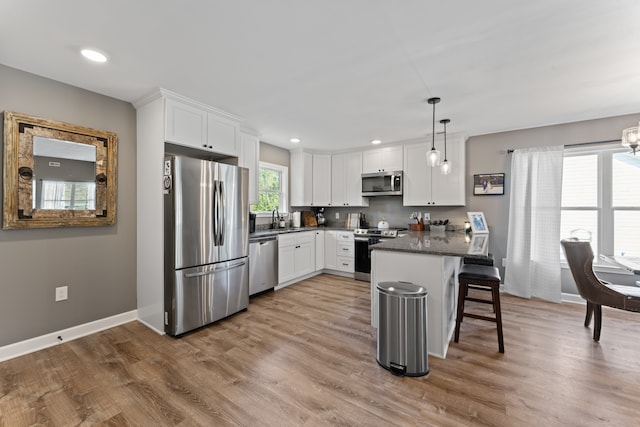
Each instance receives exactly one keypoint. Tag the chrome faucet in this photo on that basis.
(275, 215)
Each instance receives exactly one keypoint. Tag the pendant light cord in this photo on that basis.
(433, 129)
(444, 122)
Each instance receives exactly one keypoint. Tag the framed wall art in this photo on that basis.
(488, 184)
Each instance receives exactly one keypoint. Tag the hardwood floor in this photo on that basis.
(306, 356)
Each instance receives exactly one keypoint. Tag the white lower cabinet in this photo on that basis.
(330, 254)
(296, 255)
(345, 251)
(339, 251)
(319, 249)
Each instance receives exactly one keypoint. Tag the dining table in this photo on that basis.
(629, 263)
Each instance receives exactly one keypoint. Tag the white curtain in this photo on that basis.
(533, 242)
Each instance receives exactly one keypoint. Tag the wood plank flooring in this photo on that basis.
(305, 356)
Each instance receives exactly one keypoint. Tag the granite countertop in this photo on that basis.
(451, 243)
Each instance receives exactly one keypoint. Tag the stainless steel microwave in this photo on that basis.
(382, 184)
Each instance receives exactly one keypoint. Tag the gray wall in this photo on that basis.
(276, 155)
(488, 153)
(97, 263)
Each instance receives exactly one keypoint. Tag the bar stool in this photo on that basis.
(471, 260)
(480, 277)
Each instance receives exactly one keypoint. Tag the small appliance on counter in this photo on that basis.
(320, 217)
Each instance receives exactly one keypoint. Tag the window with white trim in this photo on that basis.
(272, 188)
(601, 199)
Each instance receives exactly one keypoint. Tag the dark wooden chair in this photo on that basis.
(479, 277)
(595, 291)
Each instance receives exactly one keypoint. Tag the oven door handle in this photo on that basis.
(361, 239)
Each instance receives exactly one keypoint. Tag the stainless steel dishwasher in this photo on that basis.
(263, 264)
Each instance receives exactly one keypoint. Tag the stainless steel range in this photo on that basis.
(364, 238)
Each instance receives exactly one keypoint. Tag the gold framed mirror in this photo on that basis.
(57, 174)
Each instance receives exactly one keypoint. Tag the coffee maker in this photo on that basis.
(320, 219)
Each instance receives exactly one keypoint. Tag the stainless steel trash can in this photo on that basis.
(402, 328)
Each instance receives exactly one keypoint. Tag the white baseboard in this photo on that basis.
(148, 325)
(296, 280)
(49, 340)
(574, 298)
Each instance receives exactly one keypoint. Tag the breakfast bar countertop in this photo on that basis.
(447, 243)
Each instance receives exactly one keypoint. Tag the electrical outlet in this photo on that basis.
(426, 217)
(337, 215)
(62, 293)
(504, 262)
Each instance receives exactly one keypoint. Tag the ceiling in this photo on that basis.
(339, 73)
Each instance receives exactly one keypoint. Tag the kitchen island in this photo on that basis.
(432, 260)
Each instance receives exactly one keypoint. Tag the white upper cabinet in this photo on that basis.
(386, 159)
(222, 135)
(321, 194)
(301, 172)
(346, 180)
(195, 126)
(185, 124)
(426, 186)
(310, 179)
(250, 158)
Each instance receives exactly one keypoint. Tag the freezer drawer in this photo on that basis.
(202, 295)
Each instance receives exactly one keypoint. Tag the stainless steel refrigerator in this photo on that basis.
(206, 234)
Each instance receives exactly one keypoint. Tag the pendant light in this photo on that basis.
(433, 156)
(445, 166)
(630, 137)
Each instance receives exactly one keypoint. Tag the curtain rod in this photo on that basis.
(578, 144)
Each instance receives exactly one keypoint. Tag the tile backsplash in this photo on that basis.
(391, 209)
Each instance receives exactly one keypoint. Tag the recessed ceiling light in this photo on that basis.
(295, 140)
(94, 55)
(376, 142)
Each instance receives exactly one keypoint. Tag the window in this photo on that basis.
(272, 188)
(601, 201)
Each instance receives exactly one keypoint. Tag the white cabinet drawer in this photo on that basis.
(344, 236)
(345, 264)
(286, 239)
(305, 237)
(345, 249)
(290, 239)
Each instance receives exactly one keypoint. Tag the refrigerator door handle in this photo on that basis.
(222, 212)
(216, 213)
(215, 270)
